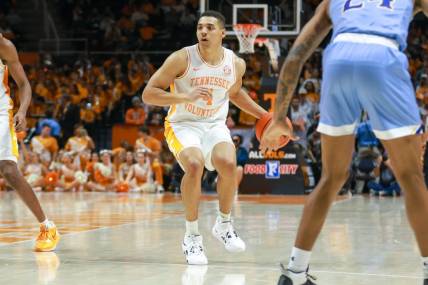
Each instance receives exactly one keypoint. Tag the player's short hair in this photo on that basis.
(210, 13)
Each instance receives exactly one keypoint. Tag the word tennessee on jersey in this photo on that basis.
(218, 79)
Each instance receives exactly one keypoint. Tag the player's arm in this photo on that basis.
(309, 39)
(174, 66)
(10, 55)
(421, 5)
(239, 97)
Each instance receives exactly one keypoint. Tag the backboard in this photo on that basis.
(279, 17)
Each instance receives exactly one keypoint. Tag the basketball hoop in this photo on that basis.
(272, 46)
(247, 34)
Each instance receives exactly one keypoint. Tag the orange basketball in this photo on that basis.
(21, 135)
(122, 187)
(262, 124)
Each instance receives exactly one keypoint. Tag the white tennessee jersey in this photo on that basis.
(219, 79)
(6, 103)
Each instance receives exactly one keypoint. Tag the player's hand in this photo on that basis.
(271, 138)
(19, 121)
(199, 93)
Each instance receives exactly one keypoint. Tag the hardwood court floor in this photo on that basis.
(135, 239)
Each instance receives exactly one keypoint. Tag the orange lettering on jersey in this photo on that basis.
(209, 100)
(211, 81)
(201, 112)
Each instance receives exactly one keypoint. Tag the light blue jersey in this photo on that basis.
(386, 18)
(364, 68)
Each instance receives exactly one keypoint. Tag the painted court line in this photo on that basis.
(94, 230)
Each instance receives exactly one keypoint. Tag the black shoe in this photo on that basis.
(285, 280)
(425, 282)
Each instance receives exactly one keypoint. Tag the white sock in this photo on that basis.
(224, 217)
(47, 223)
(192, 228)
(299, 260)
(425, 264)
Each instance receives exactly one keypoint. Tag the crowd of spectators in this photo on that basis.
(94, 94)
(129, 25)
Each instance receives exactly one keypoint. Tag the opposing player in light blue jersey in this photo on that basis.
(364, 67)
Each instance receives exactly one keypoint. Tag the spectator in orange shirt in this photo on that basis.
(145, 141)
(135, 115)
(80, 142)
(45, 145)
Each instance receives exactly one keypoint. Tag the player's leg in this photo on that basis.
(333, 177)
(192, 162)
(334, 174)
(223, 159)
(409, 175)
(340, 111)
(48, 237)
(221, 156)
(184, 142)
(14, 178)
(395, 118)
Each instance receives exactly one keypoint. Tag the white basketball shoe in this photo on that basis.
(193, 249)
(224, 232)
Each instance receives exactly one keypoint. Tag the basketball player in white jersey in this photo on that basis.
(204, 77)
(9, 62)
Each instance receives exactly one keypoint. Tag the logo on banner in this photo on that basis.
(272, 169)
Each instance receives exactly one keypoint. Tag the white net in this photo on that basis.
(247, 34)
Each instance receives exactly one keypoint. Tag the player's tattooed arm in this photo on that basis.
(306, 43)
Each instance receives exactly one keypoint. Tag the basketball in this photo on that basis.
(264, 121)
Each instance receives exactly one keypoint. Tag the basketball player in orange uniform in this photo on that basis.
(204, 77)
(9, 62)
